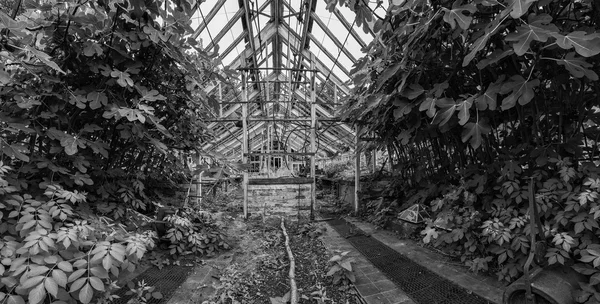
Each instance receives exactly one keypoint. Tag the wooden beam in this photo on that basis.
(245, 141)
(313, 139)
(284, 31)
(331, 57)
(279, 153)
(333, 38)
(349, 27)
(233, 44)
(208, 18)
(266, 34)
(224, 30)
(357, 171)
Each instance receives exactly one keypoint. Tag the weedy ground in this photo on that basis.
(259, 270)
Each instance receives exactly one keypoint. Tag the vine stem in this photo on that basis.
(293, 286)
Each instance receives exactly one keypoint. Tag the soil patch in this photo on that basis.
(259, 270)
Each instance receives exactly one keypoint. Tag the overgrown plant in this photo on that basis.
(142, 293)
(494, 232)
(481, 96)
(98, 102)
(194, 232)
(50, 253)
(341, 270)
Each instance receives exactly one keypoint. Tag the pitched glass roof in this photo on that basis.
(281, 34)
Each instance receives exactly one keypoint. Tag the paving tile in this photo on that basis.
(368, 269)
(377, 299)
(362, 279)
(406, 302)
(377, 276)
(367, 289)
(396, 295)
(385, 285)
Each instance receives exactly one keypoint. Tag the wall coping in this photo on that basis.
(280, 181)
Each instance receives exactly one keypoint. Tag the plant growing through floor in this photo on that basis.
(319, 295)
(142, 293)
(281, 300)
(341, 270)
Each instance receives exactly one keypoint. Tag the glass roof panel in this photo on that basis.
(293, 12)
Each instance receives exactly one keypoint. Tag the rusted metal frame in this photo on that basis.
(213, 12)
(333, 37)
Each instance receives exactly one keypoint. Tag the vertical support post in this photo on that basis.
(313, 137)
(335, 93)
(199, 189)
(357, 170)
(245, 137)
(199, 186)
(269, 148)
(373, 160)
(220, 100)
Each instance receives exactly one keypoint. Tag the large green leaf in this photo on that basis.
(586, 45)
(402, 108)
(71, 144)
(488, 98)
(538, 29)
(413, 91)
(447, 107)
(387, 73)
(474, 131)
(520, 90)
(428, 105)
(520, 7)
(44, 58)
(456, 15)
(463, 110)
(495, 57)
(96, 100)
(491, 29)
(578, 66)
(15, 150)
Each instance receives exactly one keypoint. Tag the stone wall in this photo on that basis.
(287, 199)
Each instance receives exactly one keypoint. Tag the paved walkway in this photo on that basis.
(199, 286)
(371, 283)
(376, 288)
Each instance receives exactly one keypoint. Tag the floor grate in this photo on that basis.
(165, 280)
(421, 284)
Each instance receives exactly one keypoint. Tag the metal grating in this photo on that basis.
(421, 284)
(165, 280)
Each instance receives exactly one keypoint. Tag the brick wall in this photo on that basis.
(280, 199)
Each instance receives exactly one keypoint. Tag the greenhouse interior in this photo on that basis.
(308, 151)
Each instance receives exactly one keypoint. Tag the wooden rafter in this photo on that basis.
(208, 18)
